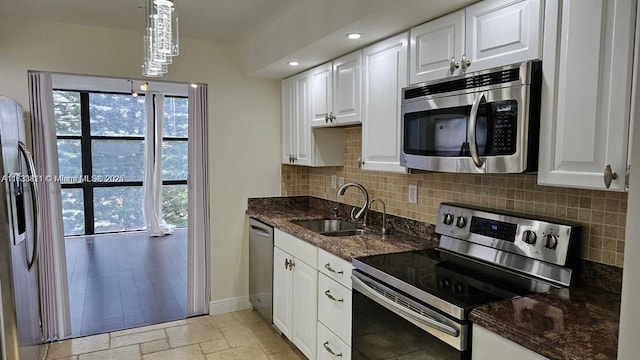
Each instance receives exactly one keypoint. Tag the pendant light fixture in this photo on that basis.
(133, 92)
(161, 36)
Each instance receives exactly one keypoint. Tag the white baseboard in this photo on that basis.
(228, 305)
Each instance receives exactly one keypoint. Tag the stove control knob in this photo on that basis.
(461, 222)
(550, 241)
(529, 237)
(448, 219)
(445, 283)
(457, 288)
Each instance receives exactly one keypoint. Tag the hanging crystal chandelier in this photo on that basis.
(161, 37)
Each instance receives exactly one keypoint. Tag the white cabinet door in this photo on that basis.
(331, 347)
(384, 76)
(334, 307)
(282, 292)
(305, 308)
(347, 89)
(433, 45)
(288, 119)
(489, 345)
(321, 94)
(586, 69)
(303, 140)
(502, 32)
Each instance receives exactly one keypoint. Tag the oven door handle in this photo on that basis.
(407, 314)
(473, 120)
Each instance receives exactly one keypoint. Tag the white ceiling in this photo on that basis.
(271, 32)
(219, 20)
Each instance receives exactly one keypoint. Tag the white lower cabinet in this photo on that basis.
(334, 307)
(330, 346)
(295, 291)
(489, 345)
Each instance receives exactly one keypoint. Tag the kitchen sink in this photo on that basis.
(331, 227)
(350, 232)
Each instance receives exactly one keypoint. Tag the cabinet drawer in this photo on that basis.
(296, 247)
(334, 307)
(330, 347)
(334, 267)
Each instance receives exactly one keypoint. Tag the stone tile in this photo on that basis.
(137, 338)
(287, 355)
(74, 357)
(226, 320)
(148, 328)
(247, 316)
(238, 337)
(154, 346)
(192, 352)
(124, 353)
(241, 353)
(192, 333)
(77, 346)
(214, 346)
(269, 340)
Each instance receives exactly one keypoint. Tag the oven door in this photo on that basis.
(476, 132)
(388, 324)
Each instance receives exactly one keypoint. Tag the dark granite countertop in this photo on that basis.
(278, 212)
(573, 323)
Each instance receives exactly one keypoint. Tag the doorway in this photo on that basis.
(118, 275)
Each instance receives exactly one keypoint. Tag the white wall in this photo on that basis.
(244, 117)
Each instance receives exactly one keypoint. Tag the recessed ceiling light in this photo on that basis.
(293, 63)
(354, 36)
(144, 86)
(194, 85)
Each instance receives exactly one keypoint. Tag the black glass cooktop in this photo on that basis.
(425, 275)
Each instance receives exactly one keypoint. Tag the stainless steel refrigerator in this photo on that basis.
(20, 317)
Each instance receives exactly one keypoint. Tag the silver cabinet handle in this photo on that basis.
(360, 162)
(326, 117)
(329, 350)
(609, 176)
(291, 264)
(31, 171)
(332, 117)
(328, 294)
(473, 119)
(328, 267)
(453, 65)
(465, 63)
(286, 263)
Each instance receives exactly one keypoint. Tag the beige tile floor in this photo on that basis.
(232, 336)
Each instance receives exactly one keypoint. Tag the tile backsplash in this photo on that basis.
(601, 213)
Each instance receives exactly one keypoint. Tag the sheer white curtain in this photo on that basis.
(152, 184)
(54, 293)
(198, 182)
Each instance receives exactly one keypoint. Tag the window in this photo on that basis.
(101, 156)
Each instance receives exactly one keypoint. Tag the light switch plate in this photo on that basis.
(334, 181)
(413, 194)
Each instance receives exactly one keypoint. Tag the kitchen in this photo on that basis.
(53, 46)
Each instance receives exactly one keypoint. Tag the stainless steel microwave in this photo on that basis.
(483, 122)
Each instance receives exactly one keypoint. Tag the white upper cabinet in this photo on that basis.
(347, 89)
(436, 47)
(336, 89)
(384, 76)
(301, 145)
(500, 32)
(485, 35)
(586, 94)
(321, 94)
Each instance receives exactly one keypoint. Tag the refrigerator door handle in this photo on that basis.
(31, 172)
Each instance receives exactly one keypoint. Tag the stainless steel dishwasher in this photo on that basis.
(261, 268)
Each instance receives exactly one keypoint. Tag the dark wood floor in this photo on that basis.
(126, 280)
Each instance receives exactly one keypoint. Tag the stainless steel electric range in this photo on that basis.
(416, 304)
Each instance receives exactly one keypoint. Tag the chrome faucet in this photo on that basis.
(384, 214)
(362, 213)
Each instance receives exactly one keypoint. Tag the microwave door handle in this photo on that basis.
(473, 120)
(31, 172)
